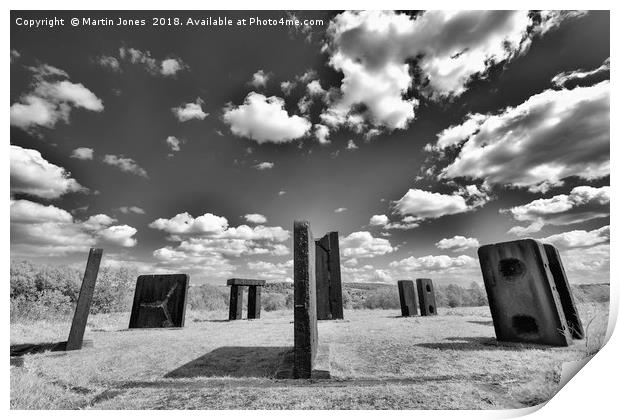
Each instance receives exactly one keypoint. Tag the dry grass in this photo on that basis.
(378, 360)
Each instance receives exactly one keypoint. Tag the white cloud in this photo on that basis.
(587, 264)
(282, 192)
(171, 66)
(582, 204)
(83, 153)
(37, 229)
(208, 239)
(579, 238)
(379, 220)
(434, 263)
(51, 99)
(167, 67)
(260, 79)
(551, 19)
(457, 243)
(287, 87)
(340, 210)
(265, 120)
(32, 174)
(351, 145)
(119, 235)
(322, 133)
(373, 50)
(125, 165)
(174, 143)
(131, 209)
(421, 205)
(551, 136)
(264, 166)
(272, 271)
(576, 76)
(190, 111)
(363, 245)
(314, 88)
(255, 218)
(184, 223)
(109, 62)
(24, 211)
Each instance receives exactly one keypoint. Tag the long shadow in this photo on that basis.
(481, 344)
(239, 362)
(31, 348)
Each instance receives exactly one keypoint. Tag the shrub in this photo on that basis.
(273, 301)
(207, 297)
(383, 298)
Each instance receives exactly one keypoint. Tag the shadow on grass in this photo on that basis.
(30, 348)
(239, 362)
(481, 343)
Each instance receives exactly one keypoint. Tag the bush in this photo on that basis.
(383, 298)
(207, 298)
(273, 301)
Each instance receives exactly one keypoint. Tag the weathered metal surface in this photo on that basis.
(159, 301)
(523, 298)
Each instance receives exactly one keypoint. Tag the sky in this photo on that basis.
(418, 136)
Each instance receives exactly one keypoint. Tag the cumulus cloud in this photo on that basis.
(125, 165)
(322, 133)
(168, 67)
(272, 271)
(379, 51)
(457, 243)
(379, 220)
(37, 229)
(208, 239)
(420, 205)
(551, 136)
(577, 77)
(190, 111)
(587, 264)
(260, 79)
(351, 145)
(579, 238)
(340, 210)
(51, 99)
(265, 120)
(255, 218)
(551, 19)
(363, 245)
(287, 87)
(581, 204)
(434, 263)
(184, 223)
(131, 209)
(33, 175)
(109, 62)
(264, 166)
(174, 143)
(83, 153)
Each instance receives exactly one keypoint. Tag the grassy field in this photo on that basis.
(377, 359)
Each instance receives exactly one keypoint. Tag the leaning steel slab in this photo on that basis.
(82, 309)
(523, 299)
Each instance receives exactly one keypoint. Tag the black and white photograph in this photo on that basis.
(306, 209)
